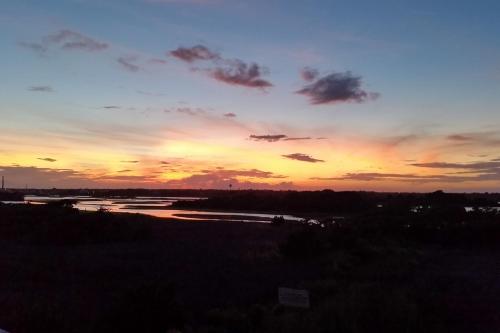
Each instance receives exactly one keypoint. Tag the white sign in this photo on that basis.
(293, 297)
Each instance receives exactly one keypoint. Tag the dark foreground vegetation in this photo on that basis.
(392, 268)
(58, 223)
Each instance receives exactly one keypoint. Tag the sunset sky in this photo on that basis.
(387, 95)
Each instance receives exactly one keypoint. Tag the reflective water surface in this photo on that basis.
(158, 207)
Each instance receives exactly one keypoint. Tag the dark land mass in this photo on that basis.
(62, 270)
(146, 207)
(382, 269)
(132, 201)
(331, 202)
(11, 196)
(224, 217)
(269, 200)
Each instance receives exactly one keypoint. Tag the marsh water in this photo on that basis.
(158, 207)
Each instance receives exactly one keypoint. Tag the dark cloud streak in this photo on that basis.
(47, 159)
(277, 137)
(468, 166)
(268, 138)
(302, 158)
(41, 89)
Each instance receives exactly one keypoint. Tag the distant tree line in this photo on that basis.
(328, 201)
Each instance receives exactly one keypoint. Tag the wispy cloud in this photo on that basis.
(297, 138)
(128, 63)
(190, 111)
(37, 48)
(336, 88)
(65, 39)
(251, 173)
(130, 161)
(455, 173)
(148, 93)
(41, 89)
(72, 40)
(484, 139)
(157, 61)
(230, 71)
(459, 137)
(380, 176)
(474, 167)
(230, 115)
(302, 157)
(309, 74)
(478, 166)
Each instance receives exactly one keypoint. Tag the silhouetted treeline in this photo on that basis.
(328, 201)
(446, 225)
(286, 201)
